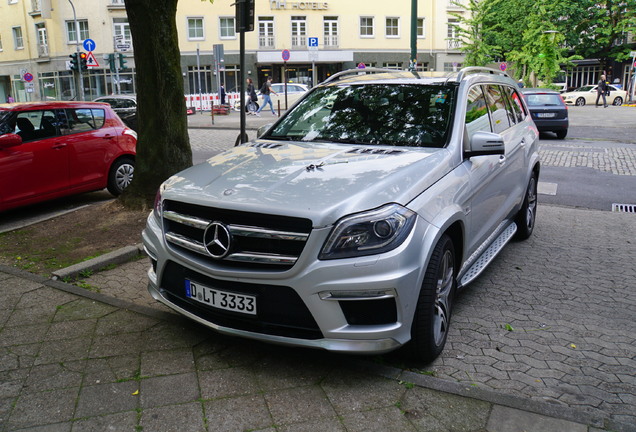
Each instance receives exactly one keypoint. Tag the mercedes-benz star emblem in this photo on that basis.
(216, 240)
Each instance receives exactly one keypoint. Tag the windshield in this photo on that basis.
(380, 114)
(544, 100)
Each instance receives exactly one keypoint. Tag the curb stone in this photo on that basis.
(118, 256)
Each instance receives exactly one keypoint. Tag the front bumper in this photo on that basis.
(337, 305)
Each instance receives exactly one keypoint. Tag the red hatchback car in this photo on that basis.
(52, 149)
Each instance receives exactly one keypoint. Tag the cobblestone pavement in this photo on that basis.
(552, 319)
(619, 159)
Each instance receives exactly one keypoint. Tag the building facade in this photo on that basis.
(317, 39)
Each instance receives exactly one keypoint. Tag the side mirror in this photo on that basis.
(261, 130)
(486, 144)
(10, 140)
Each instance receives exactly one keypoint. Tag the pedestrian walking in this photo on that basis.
(10, 99)
(602, 89)
(266, 91)
(252, 97)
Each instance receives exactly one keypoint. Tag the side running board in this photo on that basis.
(489, 254)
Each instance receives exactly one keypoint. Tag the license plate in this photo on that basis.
(546, 115)
(220, 299)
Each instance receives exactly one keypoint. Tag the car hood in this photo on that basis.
(321, 182)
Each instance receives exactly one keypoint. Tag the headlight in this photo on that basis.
(157, 207)
(369, 233)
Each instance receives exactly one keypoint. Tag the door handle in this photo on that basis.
(58, 146)
(523, 142)
(108, 137)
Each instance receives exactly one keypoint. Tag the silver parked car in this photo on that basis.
(350, 223)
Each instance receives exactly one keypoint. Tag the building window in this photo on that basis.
(18, 41)
(452, 67)
(1, 43)
(366, 26)
(392, 65)
(266, 32)
(195, 28)
(392, 29)
(71, 31)
(121, 29)
(43, 40)
(226, 27)
(299, 31)
(453, 34)
(13, 1)
(330, 31)
(421, 28)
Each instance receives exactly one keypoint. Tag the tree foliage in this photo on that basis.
(541, 36)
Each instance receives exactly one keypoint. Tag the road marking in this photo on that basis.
(547, 188)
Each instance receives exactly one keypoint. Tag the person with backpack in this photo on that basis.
(602, 89)
(266, 90)
(252, 98)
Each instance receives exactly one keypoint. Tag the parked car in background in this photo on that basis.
(53, 149)
(548, 110)
(587, 95)
(294, 92)
(350, 223)
(124, 105)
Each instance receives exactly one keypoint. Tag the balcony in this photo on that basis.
(299, 41)
(457, 5)
(266, 42)
(331, 41)
(454, 44)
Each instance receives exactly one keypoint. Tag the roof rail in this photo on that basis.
(479, 69)
(358, 72)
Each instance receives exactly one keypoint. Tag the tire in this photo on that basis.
(527, 216)
(120, 175)
(251, 107)
(580, 102)
(561, 134)
(431, 322)
(618, 101)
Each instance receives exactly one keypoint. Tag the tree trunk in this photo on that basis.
(163, 146)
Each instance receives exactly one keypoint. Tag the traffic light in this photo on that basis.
(244, 15)
(110, 58)
(122, 62)
(82, 61)
(74, 62)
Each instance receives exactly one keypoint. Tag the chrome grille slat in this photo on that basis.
(187, 220)
(186, 242)
(262, 258)
(265, 233)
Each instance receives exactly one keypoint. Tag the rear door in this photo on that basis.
(38, 169)
(91, 147)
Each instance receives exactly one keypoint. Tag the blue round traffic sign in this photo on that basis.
(286, 54)
(28, 77)
(89, 45)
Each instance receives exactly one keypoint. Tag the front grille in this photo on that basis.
(256, 240)
(281, 311)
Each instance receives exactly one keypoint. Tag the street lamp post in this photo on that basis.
(77, 50)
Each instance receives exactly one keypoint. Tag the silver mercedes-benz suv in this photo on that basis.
(350, 223)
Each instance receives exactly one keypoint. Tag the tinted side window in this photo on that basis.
(476, 112)
(497, 106)
(33, 125)
(83, 120)
(517, 105)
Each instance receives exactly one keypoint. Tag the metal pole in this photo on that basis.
(242, 81)
(413, 59)
(199, 81)
(77, 50)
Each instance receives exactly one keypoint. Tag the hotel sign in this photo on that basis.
(297, 5)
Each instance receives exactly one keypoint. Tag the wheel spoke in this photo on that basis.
(442, 298)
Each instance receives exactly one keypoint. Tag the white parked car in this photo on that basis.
(587, 95)
(351, 222)
(294, 92)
